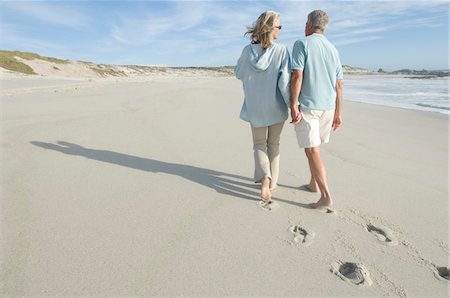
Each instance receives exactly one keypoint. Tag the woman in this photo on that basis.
(264, 69)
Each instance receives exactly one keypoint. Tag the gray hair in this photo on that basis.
(319, 19)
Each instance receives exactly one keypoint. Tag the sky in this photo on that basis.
(371, 34)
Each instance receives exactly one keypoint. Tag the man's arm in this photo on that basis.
(296, 87)
(337, 121)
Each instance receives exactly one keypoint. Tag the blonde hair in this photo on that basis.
(261, 31)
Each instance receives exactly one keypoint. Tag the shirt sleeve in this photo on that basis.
(299, 55)
(339, 72)
(284, 76)
(237, 68)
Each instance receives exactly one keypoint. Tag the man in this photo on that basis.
(316, 98)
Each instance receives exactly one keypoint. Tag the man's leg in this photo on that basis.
(312, 186)
(319, 174)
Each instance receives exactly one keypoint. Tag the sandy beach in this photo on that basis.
(144, 187)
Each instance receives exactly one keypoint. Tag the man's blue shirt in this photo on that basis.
(321, 66)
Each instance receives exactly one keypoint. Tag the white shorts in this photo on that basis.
(314, 128)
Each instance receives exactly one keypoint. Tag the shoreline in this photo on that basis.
(439, 114)
(13, 84)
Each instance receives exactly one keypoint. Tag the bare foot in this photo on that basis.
(266, 196)
(311, 187)
(322, 203)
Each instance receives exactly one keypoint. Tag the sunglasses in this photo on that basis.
(279, 27)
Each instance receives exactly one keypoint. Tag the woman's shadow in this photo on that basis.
(229, 184)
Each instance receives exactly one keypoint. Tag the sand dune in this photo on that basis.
(17, 63)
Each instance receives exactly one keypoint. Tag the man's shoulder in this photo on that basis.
(332, 47)
(300, 44)
(329, 43)
(315, 39)
(302, 40)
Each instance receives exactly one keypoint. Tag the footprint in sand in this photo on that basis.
(268, 207)
(300, 236)
(291, 174)
(385, 235)
(442, 273)
(352, 272)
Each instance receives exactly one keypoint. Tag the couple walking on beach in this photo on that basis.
(310, 84)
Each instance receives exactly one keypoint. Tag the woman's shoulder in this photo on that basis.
(280, 47)
(247, 47)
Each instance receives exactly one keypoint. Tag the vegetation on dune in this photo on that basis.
(31, 56)
(109, 72)
(8, 61)
(11, 63)
(104, 70)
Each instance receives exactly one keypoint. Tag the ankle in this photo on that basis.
(265, 182)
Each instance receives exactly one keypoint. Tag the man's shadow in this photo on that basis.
(225, 183)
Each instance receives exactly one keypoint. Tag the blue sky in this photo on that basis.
(370, 34)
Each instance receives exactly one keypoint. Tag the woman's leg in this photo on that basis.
(262, 163)
(273, 152)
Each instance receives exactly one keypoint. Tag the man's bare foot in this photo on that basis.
(311, 187)
(322, 203)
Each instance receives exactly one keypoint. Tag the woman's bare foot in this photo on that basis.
(322, 203)
(266, 195)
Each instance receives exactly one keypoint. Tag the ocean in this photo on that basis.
(426, 94)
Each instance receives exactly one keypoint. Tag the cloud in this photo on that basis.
(11, 34)
(146, 29)
(354, 22)
(45, 12)
(180, 19)
(192, 27)
(213, 29)
(347, 41)
(137, 32)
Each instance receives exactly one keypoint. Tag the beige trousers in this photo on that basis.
(266, 150)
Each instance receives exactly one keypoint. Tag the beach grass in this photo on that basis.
(109, 72)
(31, 56)
(9, 61)
(104, 70)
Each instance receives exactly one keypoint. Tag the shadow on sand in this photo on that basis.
(229, 184)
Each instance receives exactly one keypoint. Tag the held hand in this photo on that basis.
(295, 115)
(337, 122)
